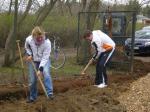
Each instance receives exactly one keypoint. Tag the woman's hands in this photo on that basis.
(28, 58)
(39, 73)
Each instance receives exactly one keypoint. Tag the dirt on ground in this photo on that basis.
(137, 99)
(125, 93)
(75, 94)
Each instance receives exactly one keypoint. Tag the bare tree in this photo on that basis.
(44, 12)
(10, 41)
(22, 18)
(60, 6)
(84, 51)
(10, 5)
(9, 47)
(69, 5)
(136, 4)
(144, 2)
(83, 3)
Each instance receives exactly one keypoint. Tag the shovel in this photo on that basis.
(86, 67)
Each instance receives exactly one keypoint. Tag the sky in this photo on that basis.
(113, 1)
(4, 3)
(122, 1)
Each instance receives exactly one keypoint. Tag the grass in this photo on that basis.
(14, 74)
(11, 70)
(10, 75)
(71, 68)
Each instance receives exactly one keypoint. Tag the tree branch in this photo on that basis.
(26, 12)
(44, 12)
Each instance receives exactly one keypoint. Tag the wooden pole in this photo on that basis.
(83, 71)
(24, 76)
(42, 85)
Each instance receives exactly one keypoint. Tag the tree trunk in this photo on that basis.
(10, 42)
(83, 3)
(69, 7)
(20, 21)
(42, 16)
(85, 48)
(14, 32)
(60, 7)
(11, 39)
(10, 5)
(8, 49)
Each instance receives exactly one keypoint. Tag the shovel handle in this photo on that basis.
(83, 71)
(24, 76)
(39, 78)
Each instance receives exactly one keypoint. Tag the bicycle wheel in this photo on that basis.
(58, 58)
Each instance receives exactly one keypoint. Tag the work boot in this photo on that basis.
(50, 97)
(30, 101)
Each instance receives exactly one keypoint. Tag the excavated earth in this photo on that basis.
(125, 93)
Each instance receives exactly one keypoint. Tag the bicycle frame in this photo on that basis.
(58, 55)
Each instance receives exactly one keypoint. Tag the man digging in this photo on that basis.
(38, 50)
(104, 47)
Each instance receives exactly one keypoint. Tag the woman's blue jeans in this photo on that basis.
(33, 80)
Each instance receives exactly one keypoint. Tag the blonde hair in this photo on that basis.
(37, 31)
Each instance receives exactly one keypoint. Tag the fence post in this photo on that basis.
(133, 38)
(78, 38)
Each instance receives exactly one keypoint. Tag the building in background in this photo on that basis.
(143, 19)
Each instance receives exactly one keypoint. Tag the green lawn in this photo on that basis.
(71, 68)
(14, 74)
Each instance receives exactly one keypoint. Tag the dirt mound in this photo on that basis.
(141, 68)
(76, 94)
(87, 99)
(61, 84)
(137, 99)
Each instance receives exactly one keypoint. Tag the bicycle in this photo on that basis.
(57, 56)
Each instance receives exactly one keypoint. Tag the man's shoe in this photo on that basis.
(50, 97)
(102, 85)
(95, 85)
(30, 101)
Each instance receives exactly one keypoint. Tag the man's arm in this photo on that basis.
(28, 48)
(46, 55)
(96, 50)
(97, 53)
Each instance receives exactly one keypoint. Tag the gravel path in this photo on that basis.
(143, 58)
(137, 99)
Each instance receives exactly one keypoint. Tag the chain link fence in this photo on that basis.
(119, 25)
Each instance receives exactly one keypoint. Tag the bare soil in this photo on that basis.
(77, 94)
(137, 99)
